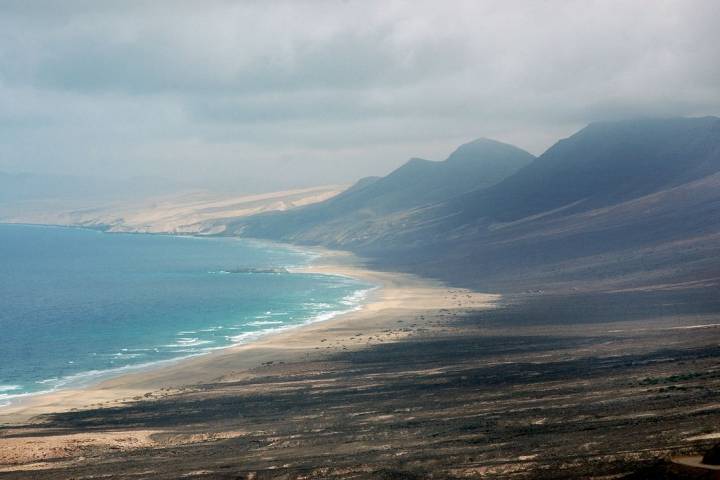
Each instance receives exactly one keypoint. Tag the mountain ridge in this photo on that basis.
(413, 185)
(609, 158)
(589, 204)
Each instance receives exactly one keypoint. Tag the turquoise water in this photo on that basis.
(79, 305)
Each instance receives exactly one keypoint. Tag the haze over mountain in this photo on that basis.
(32, 198)
(604, 163)
(540, 303)
(20, 187)
(605, 204)
(268, 96)
(374, 203)
(618, 203)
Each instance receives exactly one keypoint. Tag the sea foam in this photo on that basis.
(151, 302)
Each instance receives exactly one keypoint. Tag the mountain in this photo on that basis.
(617, 204)
(20, 187)
(630, 204)
(602, 164)
(45, 198)
(16, 187)
(372, 202)
(419, 182)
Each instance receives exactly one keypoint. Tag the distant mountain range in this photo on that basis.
(138, 206)
(19, 187)
(618, 204)
(374, 204)
(603, 164)
(44, 198)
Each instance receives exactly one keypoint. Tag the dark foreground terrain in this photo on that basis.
(593, 385)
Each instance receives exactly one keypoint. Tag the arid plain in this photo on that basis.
(425, 382)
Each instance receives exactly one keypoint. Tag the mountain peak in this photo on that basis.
(417, 160)
(377, 202)
(487, 150)
(606, 163)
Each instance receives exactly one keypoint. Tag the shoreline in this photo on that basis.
(425, 378)
(390, 292)
(11, 399)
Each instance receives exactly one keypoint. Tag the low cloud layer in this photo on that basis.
(265, 95)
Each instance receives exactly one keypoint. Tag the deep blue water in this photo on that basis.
(77, 305)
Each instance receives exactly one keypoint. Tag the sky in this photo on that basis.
(268, 95)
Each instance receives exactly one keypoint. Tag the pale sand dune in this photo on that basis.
(189, 212)
(399, 296)
(200, 213)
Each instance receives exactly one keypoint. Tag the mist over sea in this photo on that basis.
(79, 305)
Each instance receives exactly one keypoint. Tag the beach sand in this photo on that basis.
(424, 382)
(396, 296)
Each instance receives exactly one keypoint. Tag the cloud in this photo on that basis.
(341, 88)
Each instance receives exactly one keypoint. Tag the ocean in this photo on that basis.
(79, 305)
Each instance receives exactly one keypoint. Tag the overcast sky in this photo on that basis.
(266, 95)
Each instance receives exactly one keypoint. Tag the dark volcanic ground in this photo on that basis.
(592, 385)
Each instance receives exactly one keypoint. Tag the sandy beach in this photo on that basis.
(424, 381)
(397, 296)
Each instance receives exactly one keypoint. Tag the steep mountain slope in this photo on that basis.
(603, 164)
(617, 205)
(367, 206)
(668, 239)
